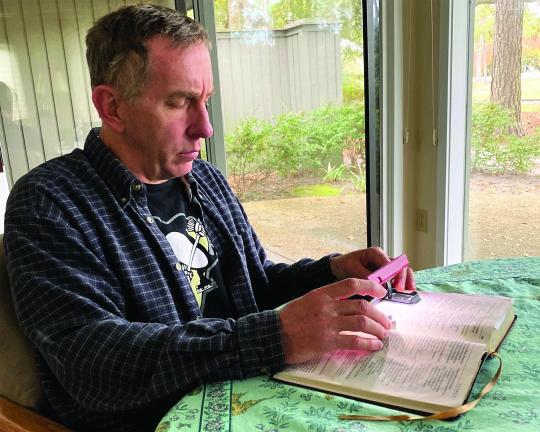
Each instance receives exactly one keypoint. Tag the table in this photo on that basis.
(260, 404)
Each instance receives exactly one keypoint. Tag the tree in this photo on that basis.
(506, 74)
(484, 22)
(531, 39)
(221, 14)
(347, 12)
(241, 15)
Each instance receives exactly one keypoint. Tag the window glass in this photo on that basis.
(504, 204)
(291, 78)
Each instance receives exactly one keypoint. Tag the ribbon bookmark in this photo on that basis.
(441, 415)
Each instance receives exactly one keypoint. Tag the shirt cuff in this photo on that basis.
(322, 271)
(261, 347)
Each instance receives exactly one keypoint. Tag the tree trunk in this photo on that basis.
(506, 75)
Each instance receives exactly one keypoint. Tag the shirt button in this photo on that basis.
(124, 200)
(178, 266)
(150, 219)
(136, 187)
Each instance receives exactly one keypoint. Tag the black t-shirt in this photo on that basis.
(181, 221)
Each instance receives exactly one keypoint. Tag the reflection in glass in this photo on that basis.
(291, 78)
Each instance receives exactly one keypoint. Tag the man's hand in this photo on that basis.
(311, 324)
(360, 263)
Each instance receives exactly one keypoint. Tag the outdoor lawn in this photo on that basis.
(504, 220)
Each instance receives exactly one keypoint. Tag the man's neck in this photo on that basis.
(121, 149)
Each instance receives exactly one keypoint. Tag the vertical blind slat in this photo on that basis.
(56, 56)
(28, 145)
(41, 78)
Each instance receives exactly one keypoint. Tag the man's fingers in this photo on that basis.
(362, 323)
(362, 307)
(352, 307)
(349, 287)
(375, 258)
(359, 343)
(400, 280)
(404, 280)
(411, 284)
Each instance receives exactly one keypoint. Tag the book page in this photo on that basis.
(455, 316)
(430, 370)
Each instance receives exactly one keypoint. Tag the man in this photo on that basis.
(134, 269)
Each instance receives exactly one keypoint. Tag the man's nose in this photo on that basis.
(200, 126)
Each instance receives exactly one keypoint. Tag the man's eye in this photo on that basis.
(178, 103)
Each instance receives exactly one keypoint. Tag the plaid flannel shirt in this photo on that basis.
(99, 292)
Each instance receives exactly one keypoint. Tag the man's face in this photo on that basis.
(164, 126)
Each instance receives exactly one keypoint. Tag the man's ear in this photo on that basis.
(106, 100)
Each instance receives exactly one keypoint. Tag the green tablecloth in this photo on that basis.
(261, 404)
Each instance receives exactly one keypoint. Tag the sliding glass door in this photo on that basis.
(504, 195)
(291, 76)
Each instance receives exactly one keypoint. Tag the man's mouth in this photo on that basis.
(189, 154)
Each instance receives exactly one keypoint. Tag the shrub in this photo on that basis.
(294, 144)
(248, 160)
(290, 147)
(335, 129)
(520, 152)
(302, 143)
(334, 174)
(494, 148)
(353, 88)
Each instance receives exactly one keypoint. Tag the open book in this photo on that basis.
(428, 363)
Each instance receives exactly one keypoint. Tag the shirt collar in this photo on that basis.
(191, 182)
(119, 179)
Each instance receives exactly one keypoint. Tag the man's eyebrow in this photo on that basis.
(187, 94)
(181, 94)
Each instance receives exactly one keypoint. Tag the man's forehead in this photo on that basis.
(164, 44)
(164, 56)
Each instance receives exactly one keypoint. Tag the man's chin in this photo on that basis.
(182, 169)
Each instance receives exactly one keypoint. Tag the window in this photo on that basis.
(504, 204)
(490, 157)
(291, 85)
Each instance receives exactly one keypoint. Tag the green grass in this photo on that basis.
(316, 190)
(530, 89)
(530, 107)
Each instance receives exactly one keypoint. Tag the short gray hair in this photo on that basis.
(115, 45)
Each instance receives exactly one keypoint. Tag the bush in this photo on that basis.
(335, 129)
(353, 88)
(520, 152)
(294, 144)
(290, 148)
(248, 160)
(494, 148)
